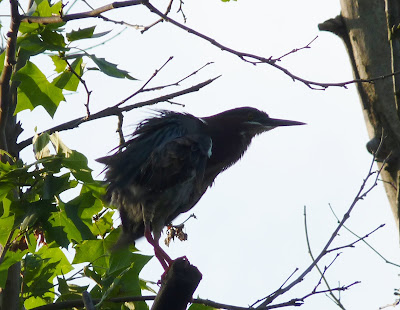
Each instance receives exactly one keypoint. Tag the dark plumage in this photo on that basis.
(170, 162)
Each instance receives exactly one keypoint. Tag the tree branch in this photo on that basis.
(255, 59)
(94, 13)
(115, 111)
(6, 109)
(360, 195)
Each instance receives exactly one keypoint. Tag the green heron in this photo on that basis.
(170, 161)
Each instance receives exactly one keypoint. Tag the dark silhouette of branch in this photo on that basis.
(351, 245)
(363, 191)
(363, 240)
(115, 111)
(295, 50)
(78, 303)
(178, 286)
(331, 295)
(255, 59)
(88, 92)
(159, 20)
(141, 89)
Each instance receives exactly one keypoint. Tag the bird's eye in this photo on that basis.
(250, 116)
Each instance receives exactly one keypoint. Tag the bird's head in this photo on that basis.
(251, 122)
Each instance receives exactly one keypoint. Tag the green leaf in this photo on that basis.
(66, 225)
(53, 186)
(40, 145)
(40, 269)
(199, 306)
(103, 225)
(45, 9)
(59, 63)
(95, 252)
(35, 90)
(110, 69)
(10, 259)
(61, 229)
(68, 80)
(42, 8)
(2, 57)
(53, 40)
(59, 146)
(69, 291)
(79, 34)
(77, 163)
(6, 227)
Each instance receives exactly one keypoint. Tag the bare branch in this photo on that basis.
(255, 59)
(283, 284)
(350, 245)
(114, 111)
(119, 130)
(141, 89)
(159, 20)
(295, 50)
(88, 92)
(363, 240)
(359, 196)
(322, 273)
(178, 82)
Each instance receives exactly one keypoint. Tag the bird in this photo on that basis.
(170, 161)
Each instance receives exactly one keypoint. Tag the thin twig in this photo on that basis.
(159, 20)
(88, 92)
(145, 84)
(178, 82)
(331, 294)
(295, 50)
(362, 192)
(283, 284)
(255, 59)
(363, 240)
(119, 130)
(350, 245)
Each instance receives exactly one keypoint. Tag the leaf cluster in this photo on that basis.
(33, 87)
(36, 223)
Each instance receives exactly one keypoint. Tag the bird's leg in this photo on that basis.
(163, 257)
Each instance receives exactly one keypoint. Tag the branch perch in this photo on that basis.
(178, 286)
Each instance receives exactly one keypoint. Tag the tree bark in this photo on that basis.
(363, 26)
(178, 286)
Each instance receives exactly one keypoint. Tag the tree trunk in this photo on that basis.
(363, 26)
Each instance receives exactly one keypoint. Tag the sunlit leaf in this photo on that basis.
(199, 306)
(59, 63)
(35, 90)
(68, 80)
(59, 145)
(40, 145)
(77, 163)
(79, 34)
(2, 57)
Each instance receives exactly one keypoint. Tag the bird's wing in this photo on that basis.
(180, 160)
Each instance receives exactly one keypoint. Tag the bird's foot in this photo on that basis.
(159, 282)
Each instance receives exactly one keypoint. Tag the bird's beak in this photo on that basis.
(275, 122)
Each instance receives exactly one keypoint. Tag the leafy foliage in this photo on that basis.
(36, 223)
(41, 226)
